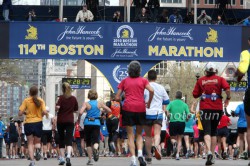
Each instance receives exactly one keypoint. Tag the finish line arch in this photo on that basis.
(110, 46)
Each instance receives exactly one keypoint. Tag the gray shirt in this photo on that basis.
(234, 121)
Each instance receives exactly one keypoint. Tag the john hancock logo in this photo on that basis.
(125, 43)
(212, 36)
(31, 33)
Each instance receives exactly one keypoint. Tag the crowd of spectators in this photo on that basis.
(145, 12)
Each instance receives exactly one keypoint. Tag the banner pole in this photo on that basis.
(128, 10)
(195, 11)
(61, 11)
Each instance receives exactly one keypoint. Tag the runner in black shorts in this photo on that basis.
(241, 71)
(178, 112)
(134, 113)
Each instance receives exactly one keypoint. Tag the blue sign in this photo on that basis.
(124, 41)
(116, 71)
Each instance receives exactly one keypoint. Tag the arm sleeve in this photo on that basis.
(237, 110)
(43, 106)
(77, 17)
(187, 110)
(121, 85)
(76, 105)
(197, 90)
(23, 106)
(224, 84)
(244, 62)
(91, 16)
(165, 97)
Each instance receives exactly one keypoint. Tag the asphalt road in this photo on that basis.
(124, 161)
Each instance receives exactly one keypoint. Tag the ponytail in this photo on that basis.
(36, 101)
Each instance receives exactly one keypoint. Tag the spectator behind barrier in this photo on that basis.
(164, 16)
(189, 19)
(84, 15)
(219, 22)
(175, 17)
(117, 17)
(143, 16)
(7, 6)
(204, 18)
(31, 15)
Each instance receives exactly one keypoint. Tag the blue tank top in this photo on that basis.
(94, 112)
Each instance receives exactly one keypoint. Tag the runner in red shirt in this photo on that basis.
(209, 89)
(222, 134)
(134, 108)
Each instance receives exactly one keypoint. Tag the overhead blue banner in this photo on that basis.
(116, 71)
(124, 41)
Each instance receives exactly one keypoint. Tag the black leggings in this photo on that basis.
(112, 126)
(65, 131)
(247, 102)
(210, 120)
(92, 135)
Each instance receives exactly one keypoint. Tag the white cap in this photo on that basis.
(211, 67)
(47, 108)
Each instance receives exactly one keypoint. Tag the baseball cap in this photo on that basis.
(211, 67)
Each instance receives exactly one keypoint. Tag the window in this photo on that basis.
(208, 2)
(198, 1)
(241, 2)
(233, 2)
(171, 1)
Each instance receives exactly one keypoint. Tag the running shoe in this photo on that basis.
(249, 164)
(148, 160)
(133, 164)
(224, 155)
(96, 154)
(177, 158)
(209, 159)
(174, 149)
(45, 158)
(245, 154)
(38, 154)
(61, 161)
(236, 152)
(32, 163)
(48, 154)
(90, 162)
(68, 162)
(141, 161)
(157, 153)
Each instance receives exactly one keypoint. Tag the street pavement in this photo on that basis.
(124, 161)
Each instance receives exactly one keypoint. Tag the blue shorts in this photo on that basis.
(35, 129)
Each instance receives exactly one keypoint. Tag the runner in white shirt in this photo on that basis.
(82, 133)
(47, 133)
(154, 115)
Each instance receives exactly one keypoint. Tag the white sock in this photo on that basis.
(209, 152)
(133, 159)
(140, 153)
(177, 155)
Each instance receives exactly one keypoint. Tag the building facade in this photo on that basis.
(11, 97)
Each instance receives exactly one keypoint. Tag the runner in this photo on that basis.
(65, 107)
(112, 122)
(178, 112)
(242, 69)
(92, 124)
(189, 134)
(233, 135)
(154, 116)
(33, 108)
(242, 132)
(13, 138)
(47, 133)
(222, 134)
(134, 111)
(209, 89)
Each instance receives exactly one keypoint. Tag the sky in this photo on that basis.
(114, 2)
